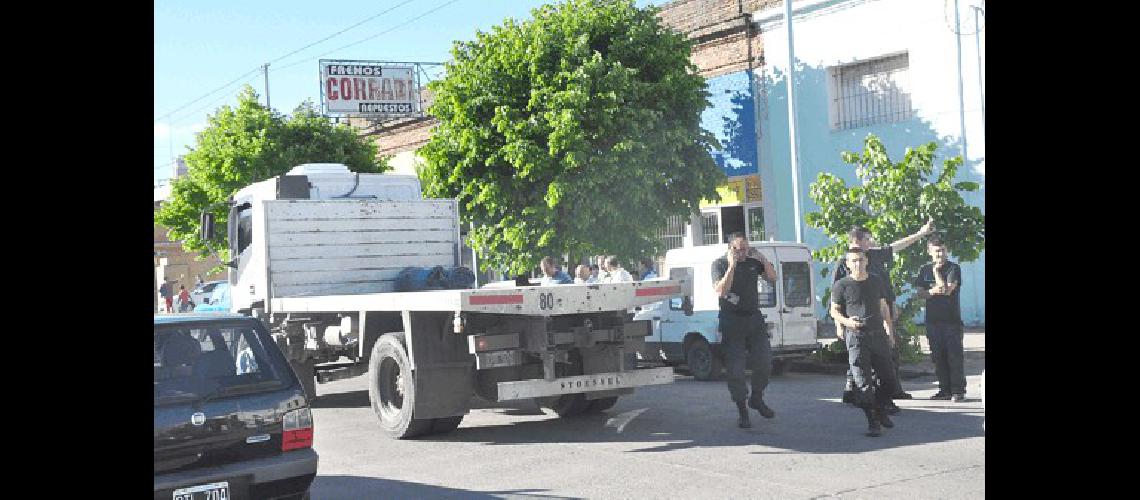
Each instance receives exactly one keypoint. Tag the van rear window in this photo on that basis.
(797, 284)
(195, 361)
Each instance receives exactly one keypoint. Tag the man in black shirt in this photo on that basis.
(879, 261)
(742, 324)
(858, 305)
(938, 283)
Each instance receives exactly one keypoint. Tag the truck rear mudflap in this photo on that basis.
(526, 389)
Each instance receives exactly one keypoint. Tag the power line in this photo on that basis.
(208, 94)
(389, 30)
(342, 31)
(182, 119)
(259, 68)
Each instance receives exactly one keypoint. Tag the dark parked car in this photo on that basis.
(231, 420)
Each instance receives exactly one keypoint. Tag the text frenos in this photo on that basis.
(368, 88)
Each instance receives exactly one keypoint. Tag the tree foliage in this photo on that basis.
(893, 200)
(247, 144)
(576, 131)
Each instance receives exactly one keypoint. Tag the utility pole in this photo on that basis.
(792, 122)
(265, 69)
(961, 91)
(978, 46)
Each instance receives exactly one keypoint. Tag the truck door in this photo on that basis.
(241, 238)
(797, 313)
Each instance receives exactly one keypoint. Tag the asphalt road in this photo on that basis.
(668, 441)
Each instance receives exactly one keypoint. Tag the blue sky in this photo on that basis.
(201, 45)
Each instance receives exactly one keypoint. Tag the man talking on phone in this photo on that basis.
(742, 324)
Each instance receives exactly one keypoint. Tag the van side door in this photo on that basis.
(797, 312)
(766, 296)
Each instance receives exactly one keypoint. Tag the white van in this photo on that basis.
(788, 307)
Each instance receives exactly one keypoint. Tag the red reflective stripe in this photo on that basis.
(487, 300)
(660, 290)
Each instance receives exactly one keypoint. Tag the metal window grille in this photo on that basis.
(872, 92)
(711, 225)
(673, 234)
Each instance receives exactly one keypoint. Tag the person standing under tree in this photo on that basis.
(859, 306)
(938, 282)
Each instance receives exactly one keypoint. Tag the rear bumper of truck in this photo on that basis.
(526, 389)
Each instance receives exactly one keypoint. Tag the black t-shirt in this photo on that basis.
(860, 299)
(744, 285)
(878, 261)
(941, 308)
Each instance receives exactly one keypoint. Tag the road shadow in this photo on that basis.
(353, 487)
(351, 399)
(810, 418)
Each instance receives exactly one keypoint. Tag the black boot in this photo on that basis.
(873, 428)
(744, 422)
(881, 416)
(758, 405)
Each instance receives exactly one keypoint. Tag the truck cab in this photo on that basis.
(788, 307)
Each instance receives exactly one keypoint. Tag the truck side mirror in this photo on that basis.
(206, 226)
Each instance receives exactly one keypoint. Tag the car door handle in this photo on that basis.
(785, 310)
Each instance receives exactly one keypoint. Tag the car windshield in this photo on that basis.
(194, 362)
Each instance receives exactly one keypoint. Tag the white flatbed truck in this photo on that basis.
(315, 255)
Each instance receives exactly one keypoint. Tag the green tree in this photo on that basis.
(247, 144)
(892, 200)
(576, 131)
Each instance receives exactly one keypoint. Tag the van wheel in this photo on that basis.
(392, 390)
(779, 366)
(701, 360)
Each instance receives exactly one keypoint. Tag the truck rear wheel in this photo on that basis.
(567, 405)
(603, 404)
(392, 389)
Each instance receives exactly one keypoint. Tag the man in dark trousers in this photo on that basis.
(879, 260)
(938, 283)
(858, 305)
(742, 324)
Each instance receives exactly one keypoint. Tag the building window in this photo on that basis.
(870, 92)
(673, 234)
(710, 224)
(756, 223)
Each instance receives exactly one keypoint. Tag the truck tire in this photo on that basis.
(445, 424)
(308, 377)
(568, 405)
(603, 404)
(392, 389)
(702, 362)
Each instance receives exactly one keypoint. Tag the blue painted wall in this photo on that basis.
(731, 117)
(819, 151)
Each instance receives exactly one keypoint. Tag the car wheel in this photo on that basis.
(392, 390)
(702, 362)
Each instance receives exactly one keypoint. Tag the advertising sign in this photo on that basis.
(368, 88)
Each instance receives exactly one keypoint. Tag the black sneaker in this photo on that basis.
(891, 409)
(941, 396)
(958, 398)
(758, 405)
(902, 395)
(849, 397)
(743, 422)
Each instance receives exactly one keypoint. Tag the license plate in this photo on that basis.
(212, 491)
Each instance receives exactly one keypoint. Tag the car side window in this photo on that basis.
(245, 229)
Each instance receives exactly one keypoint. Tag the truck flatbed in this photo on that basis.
(549, 300)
